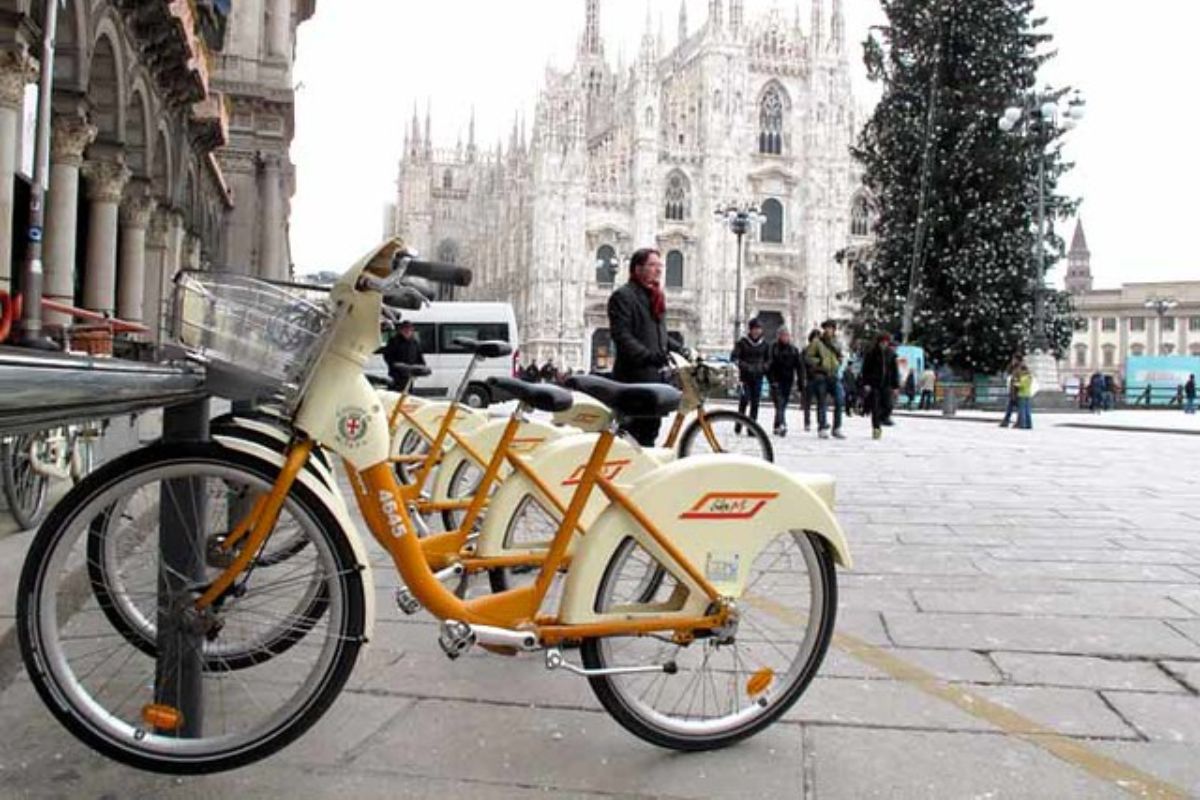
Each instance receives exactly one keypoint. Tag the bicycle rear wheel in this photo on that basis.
(25, 488)
(731, 433)
(726, 685)
(113, 694)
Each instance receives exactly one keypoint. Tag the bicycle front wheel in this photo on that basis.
(127, 700)
(25, 488)
(724, 685)
(728, 432)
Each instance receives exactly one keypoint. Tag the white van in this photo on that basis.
(437, 326)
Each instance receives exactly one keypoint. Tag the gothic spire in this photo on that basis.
(428, 128)
(591, 31)
(1079, 241)
(683, 23)
(415, 139)
(817, 28)
(716, 14)
(837, 30)
(471, 137)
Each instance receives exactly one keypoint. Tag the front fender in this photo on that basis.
(337, 507)
(720, 511)
(427, 419)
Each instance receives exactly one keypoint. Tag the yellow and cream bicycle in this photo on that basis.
(703, 598)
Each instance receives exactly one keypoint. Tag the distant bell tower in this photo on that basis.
(1079, 263)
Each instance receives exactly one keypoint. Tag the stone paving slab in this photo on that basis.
(1091, 604)
(879, 703)
(1187, 671)
(1160, 717)
(1040, 669)
(1039, 634)
(906, 765)
(1178, 764)
(1075, 712)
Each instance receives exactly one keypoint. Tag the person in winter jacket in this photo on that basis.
(750, 356)
(403, 349)
(785, 365)
(637, 320)
(881, 374)
(910, 388)
(824, 359)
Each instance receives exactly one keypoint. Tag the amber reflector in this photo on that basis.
(759, 681)
(162, 717)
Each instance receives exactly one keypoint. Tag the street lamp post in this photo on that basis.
(738, 218)
(1041, 116)
(1161, 305)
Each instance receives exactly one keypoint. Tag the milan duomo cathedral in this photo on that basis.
(741, 110)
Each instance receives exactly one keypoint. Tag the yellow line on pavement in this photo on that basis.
(1124, 776)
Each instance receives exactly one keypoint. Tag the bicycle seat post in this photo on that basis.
(466, 378)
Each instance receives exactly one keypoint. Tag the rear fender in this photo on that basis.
(558, 464)
(430, 415)
(720, 511)
(337, 507)
(531, 435)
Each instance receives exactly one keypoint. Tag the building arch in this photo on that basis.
(138, 131)
(673, 278)
(160, 163)
(677, 197)
(106, 83)
(774, 106)
(772, 226)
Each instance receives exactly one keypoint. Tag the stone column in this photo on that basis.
(131, 281)
(280, 32)
(16, 70)
(174, 246)
(106, 183)
(71, 136)
(270, 255)
(157, 278)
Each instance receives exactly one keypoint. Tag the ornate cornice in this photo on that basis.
(16, 70)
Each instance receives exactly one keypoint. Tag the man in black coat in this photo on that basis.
(750, 355)
(881, 374)
(638, 326)
(404, 348)
(784, 365)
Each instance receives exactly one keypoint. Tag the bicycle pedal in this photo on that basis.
(455, 638)
(407, 601)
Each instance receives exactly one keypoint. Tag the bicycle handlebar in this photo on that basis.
(438, 272)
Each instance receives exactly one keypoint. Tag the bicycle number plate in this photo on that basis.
(721, 567)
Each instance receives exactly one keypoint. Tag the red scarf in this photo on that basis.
(658, 300)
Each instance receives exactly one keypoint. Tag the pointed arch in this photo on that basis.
(774, 106)
(160, 163)
(677, 197)
(105, 83)
(772, 227)
(138, 131)
(674, 273)
(862, 215)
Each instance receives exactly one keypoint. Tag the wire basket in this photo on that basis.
(255, 339)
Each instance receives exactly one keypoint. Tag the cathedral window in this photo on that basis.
(606, 265)
(447, 180)
(772, 227)
(677, 198)
(674, 270)
(860, 217)
(770, 123)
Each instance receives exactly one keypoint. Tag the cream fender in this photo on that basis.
(558, 464)
(430, 415)
(531, 436)
(586, 413)
(277, 434)
(336, 506)
(720, 511)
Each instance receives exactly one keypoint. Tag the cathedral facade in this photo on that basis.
(754, 111)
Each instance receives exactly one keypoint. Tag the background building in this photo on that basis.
(141, 182)
(1118, 323)
(754, 110)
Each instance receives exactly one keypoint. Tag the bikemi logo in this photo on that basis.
(352, 425)
(729, 505)
(609, 471)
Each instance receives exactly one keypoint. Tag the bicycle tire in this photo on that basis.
(25, 489)
(48, 625)
(694, 441)
(760, 707)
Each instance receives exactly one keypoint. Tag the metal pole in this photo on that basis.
(31, 280)
(737, 301)
(179, 670)
(1040, 340)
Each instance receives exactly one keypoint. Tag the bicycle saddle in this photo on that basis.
(409, 370)
(629, 399)
(542, 396)
(490, 349)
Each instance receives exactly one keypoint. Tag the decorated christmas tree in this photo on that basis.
(955, 256)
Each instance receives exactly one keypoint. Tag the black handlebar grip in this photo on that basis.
(439, 273)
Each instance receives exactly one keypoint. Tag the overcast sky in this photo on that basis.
(362, 64)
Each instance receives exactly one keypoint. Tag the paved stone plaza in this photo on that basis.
(1023, 620)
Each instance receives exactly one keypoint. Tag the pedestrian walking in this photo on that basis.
(785, 366)
(1024, 397)
(928, 386)
(881, 377)
(824, 358)
(1110, 392)
(1097, 394)
(750, 356)
(637, 320)
(1010, 407)
(403, 349)
(806, 390)
(1189, 393)
(910, 389)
